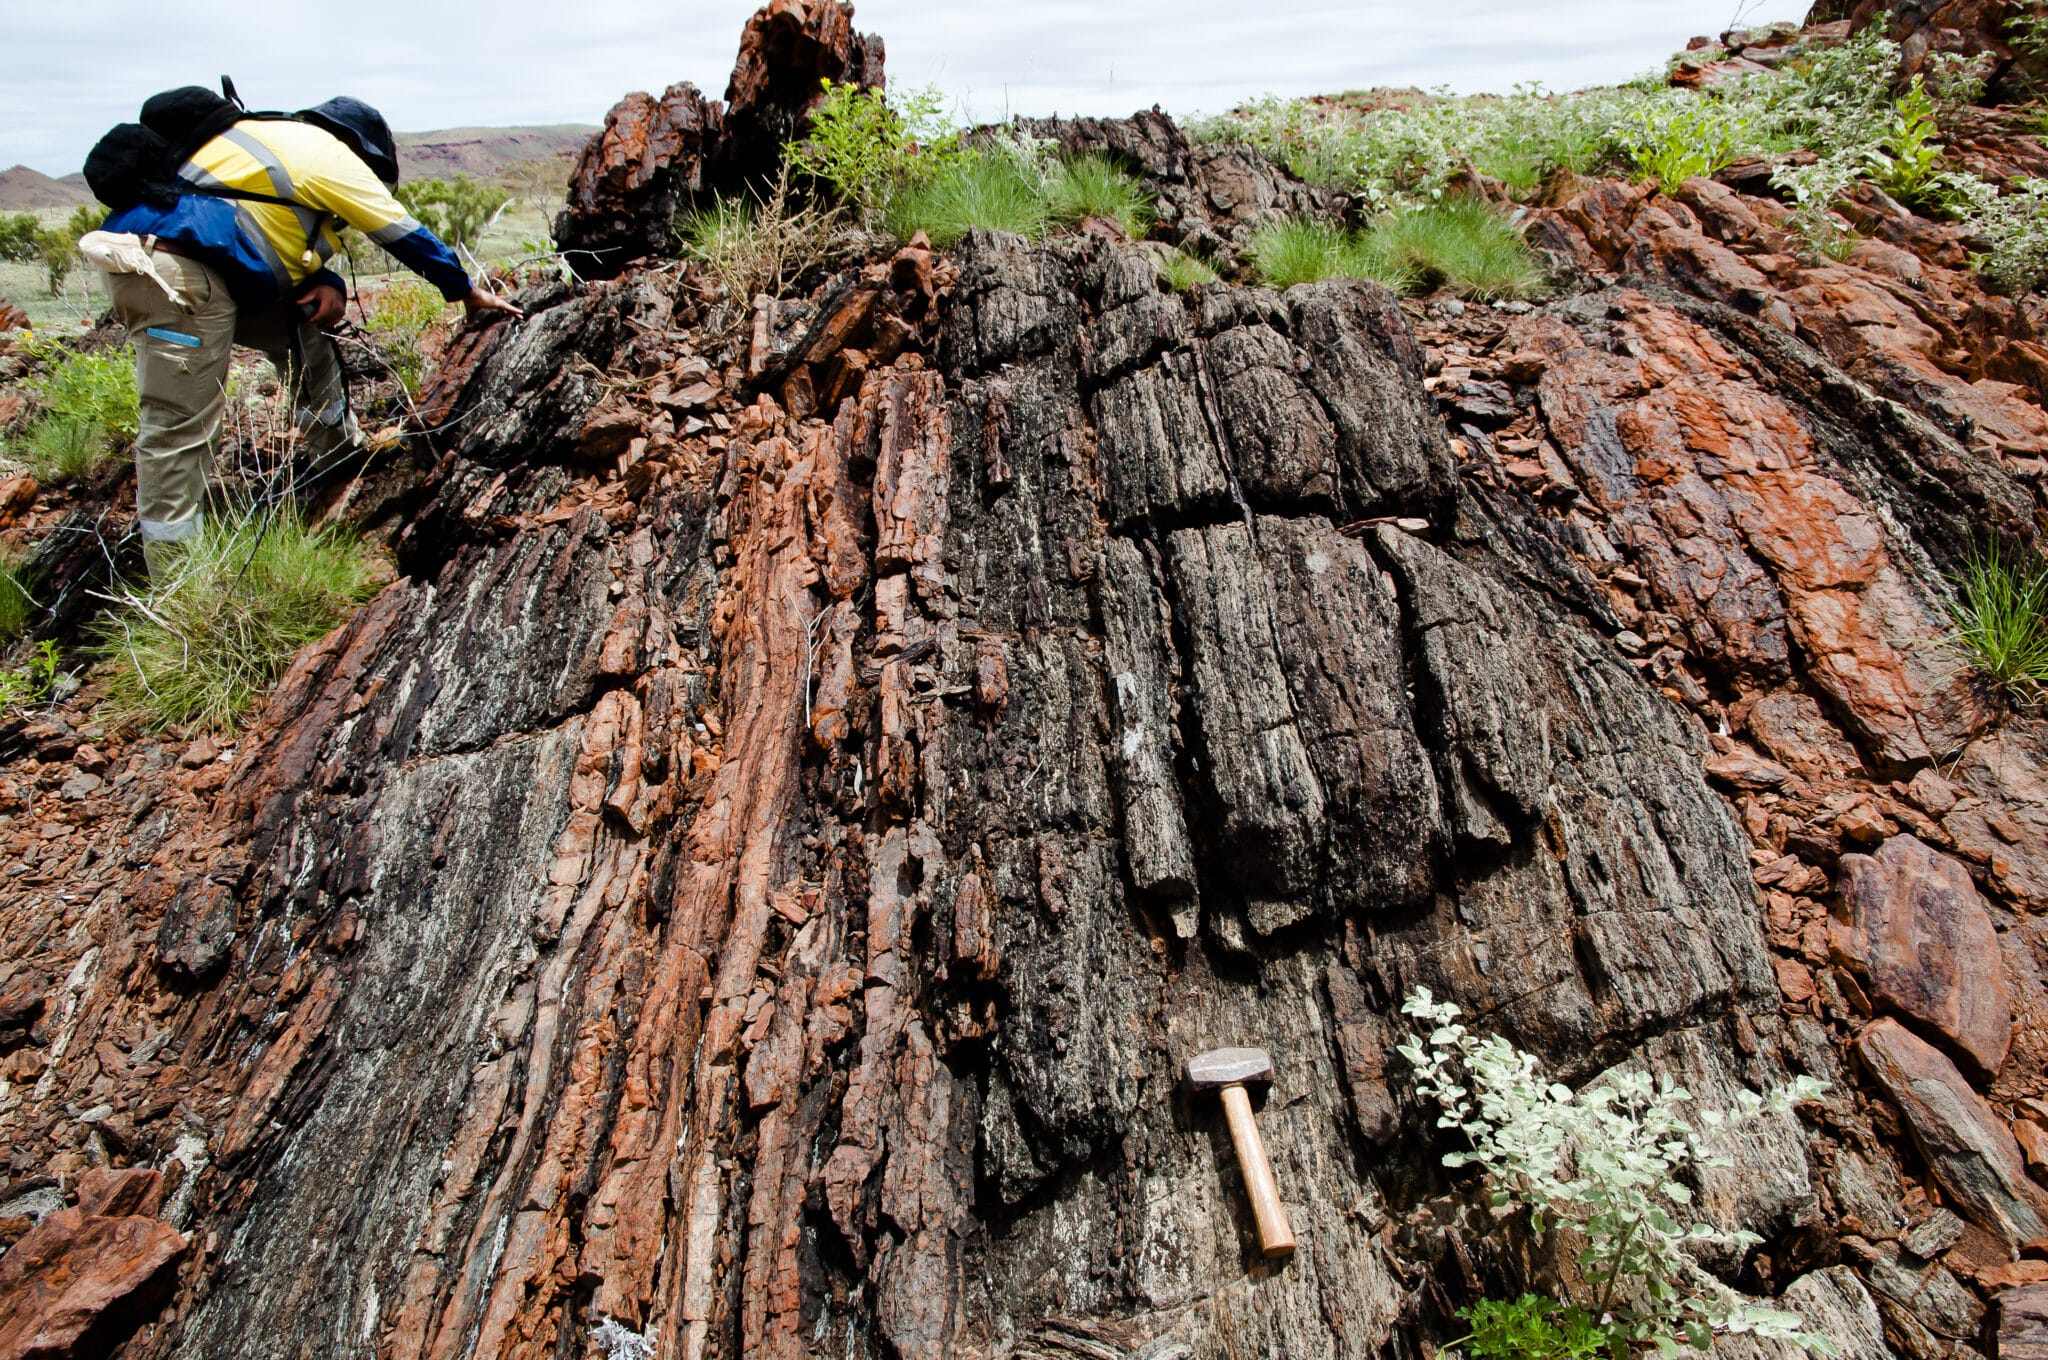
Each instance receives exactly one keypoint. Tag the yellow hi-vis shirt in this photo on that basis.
(315, 169)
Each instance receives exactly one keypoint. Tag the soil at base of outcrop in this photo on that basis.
(755, 875)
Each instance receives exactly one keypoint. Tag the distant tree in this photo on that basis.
(456, 210)
(57, 247)
(18, 238)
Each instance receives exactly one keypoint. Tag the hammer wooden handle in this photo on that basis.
(1275, 1237)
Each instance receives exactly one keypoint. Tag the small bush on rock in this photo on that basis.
(31, 682)
(1673, 142)
(871, 144)
(1903, 161)
(1530, 1328)
(207, 639)
(1604, 1161)
(2012, 228)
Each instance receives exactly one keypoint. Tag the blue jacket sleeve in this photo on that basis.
(423, 253)
(327, 277)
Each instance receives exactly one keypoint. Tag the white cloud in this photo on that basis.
(74, 70)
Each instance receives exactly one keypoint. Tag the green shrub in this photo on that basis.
(1530, 1328)
(20, 238)
(988, 190)
(1833, 101)
(397, 320)
(1463, 242)
(56, 248)
(2001, 621)
(1674, 142)
(871, 144)
(1903, 161)
(1095, 186)
(1603, 1161)
(2029, 29)
(95, 389)
(87, 407)
(2013, 228)
(1182, 271)
(219, 627)
(1815, 190)
(31, 682)
(457, 210)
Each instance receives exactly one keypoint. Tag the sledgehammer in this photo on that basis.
(1226, 1070)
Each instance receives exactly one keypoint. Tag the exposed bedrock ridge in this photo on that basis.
(776, 912)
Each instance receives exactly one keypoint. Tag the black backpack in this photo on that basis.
(138, 163)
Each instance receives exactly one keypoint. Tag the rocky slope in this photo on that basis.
(756, 875)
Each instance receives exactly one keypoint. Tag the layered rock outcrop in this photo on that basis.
(752, 880)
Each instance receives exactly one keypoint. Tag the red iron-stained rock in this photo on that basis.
(2023, 1323)
(78, 1283)
(1915, 928)
(788, 49)
(1968, 1148)
(633, 177)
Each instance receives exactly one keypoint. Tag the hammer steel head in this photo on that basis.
(1221, 1067)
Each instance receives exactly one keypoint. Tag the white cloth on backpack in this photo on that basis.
(122, 252)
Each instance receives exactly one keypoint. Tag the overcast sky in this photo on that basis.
(74, 69)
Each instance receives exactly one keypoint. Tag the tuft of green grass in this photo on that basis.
(60, 448)
(2001, 621)
(1462, 242)
(1096, 186)
(16, 604)
(992, 192)
(1285, 253)
(1182, 271)
(210, 636)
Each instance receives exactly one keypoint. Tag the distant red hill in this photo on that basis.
(486, 153)
(479, 152)
(22, 188)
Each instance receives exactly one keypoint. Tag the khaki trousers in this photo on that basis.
(183, 345)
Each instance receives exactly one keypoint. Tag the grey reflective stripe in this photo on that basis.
(397, 231)
(336, 412)
(280, 179)
(253, 233)
(169, 530)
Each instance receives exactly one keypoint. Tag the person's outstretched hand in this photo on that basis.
(328, 304)
(482, 299)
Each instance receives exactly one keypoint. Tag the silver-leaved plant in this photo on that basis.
(1604, 1161)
